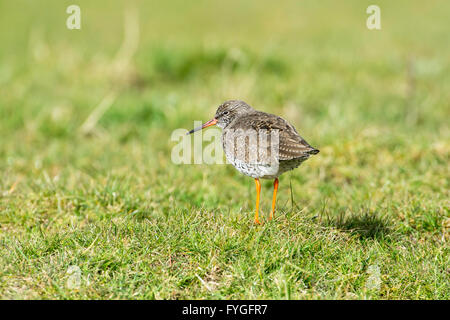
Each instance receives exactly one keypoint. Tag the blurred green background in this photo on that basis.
(86, 177)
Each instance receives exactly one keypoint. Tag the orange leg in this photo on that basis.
(258, 192)
(274, 198)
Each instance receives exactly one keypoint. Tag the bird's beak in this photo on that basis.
(203, 126)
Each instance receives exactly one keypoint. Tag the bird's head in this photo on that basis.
(225, 114)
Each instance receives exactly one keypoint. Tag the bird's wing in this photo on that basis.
(290, 144)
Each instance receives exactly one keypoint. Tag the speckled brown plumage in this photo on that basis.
(239, 119)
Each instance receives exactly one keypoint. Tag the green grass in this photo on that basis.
(110, 201)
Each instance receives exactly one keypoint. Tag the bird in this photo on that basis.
(258, 144)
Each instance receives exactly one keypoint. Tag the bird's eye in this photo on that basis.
(225, 112)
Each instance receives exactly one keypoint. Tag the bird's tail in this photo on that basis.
(313, 151)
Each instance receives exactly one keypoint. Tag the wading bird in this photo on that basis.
(259, 144)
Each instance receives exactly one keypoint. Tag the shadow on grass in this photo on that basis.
(367, 225)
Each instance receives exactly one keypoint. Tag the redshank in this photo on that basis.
(259, 144)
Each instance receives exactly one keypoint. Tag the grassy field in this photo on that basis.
(86, 177)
